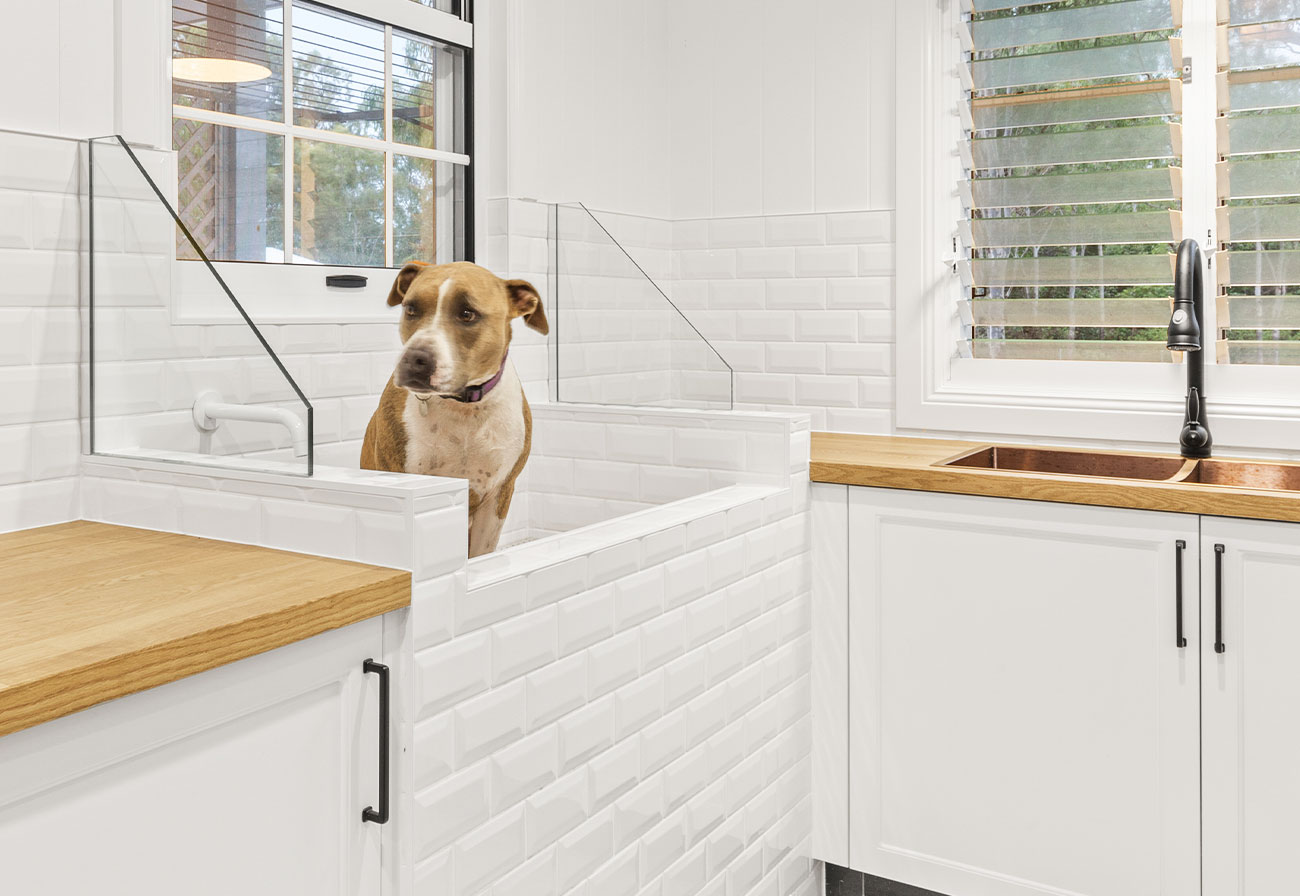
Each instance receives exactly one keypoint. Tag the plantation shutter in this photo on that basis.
(1073, 188)
(1259, 181)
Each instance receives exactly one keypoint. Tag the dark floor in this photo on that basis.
(843, 882)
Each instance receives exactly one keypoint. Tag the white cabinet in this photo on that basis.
(247, 779)
(1021, 718)
(1250, 694)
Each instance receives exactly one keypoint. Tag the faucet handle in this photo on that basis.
(1194, 440)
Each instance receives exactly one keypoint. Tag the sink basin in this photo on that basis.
(1070, 463)
(1246, 474)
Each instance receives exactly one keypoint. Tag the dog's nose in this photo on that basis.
(415, 369)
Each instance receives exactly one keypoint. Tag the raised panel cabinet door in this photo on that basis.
(1250, 692)
(250, 778)
(1023, 719)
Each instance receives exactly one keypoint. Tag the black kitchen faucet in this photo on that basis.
(1185, 336)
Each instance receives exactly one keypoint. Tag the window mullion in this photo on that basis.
(1200, 18)
(288, 136)
(388, 149)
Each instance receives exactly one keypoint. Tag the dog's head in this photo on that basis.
(456, 324)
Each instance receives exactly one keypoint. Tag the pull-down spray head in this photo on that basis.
(1184, 334)
(1184, 329)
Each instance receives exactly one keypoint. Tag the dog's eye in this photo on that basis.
(410, 310)
(468, 315)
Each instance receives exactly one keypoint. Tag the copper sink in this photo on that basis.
(1249, 474)
(1245, 474)
(1062, 461)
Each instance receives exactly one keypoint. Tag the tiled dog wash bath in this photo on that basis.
(624, 702)
(618, 698)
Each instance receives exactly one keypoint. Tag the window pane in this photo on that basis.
(338, 204)
(1259, 213)
(208, 37)
(1073, 193)
(428, 79)
(230, 192)
(338, 72)
(428, 210)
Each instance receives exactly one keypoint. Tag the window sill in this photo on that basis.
(1238, 425)
(278, 294)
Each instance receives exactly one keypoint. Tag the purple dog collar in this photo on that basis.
(472, 394)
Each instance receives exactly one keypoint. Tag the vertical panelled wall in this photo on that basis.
(588, 102)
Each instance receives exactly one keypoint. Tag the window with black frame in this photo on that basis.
(314, 135)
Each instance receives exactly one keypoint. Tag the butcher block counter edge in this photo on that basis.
(90, 612)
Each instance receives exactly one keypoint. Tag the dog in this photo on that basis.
(454, 405)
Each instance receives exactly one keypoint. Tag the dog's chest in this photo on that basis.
(478, 442)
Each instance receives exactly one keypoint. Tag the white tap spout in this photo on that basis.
(210, 410)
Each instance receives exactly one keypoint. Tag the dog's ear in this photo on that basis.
(526, 303)
(403, 281)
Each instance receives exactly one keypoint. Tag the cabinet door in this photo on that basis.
(249, 779)
(1250, 693)
(1022, 719)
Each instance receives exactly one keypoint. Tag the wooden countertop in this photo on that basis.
(909, 463)
(90, 612)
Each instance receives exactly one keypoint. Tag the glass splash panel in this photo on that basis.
(155, 387)
(617, 337)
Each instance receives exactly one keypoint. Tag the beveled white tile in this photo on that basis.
(451, 807)
(556, 809)
(523, 768)
(489, 721)
(584, 850)
(452, 672)
(488, 853)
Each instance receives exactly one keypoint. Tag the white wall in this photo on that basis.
(59, 78)
(588, 103)
(58, 70)
(778, 130)
(801, 307)
(39, 332)
(701, 108)
(781, 108)
(625, 710)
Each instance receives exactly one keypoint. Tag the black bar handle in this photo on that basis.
(1218, 599)
(1179, 547)
(380, 816)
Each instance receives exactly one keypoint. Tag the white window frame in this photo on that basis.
(1251, 408)
(278, 293)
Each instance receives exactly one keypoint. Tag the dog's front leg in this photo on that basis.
(484, 525)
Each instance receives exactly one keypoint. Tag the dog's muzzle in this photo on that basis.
(415, 370)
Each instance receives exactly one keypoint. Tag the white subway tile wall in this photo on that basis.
(800, 306)
(637, 730)
(591, 464)
(149, 370)
(786, 355)
(803, 311)
(39, 331)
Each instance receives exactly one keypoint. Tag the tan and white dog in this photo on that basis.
(454, 405)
